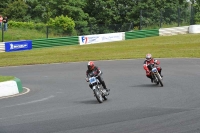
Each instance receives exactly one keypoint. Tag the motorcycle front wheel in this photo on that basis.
(98, 96)
(159, 79)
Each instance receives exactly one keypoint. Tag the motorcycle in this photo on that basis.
(155, 74)
(99, 92)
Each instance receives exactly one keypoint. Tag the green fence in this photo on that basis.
(51, 42)
(141, 34)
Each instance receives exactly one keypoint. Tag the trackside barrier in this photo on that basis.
(18, 45)
(141, 34)
(173, 31)
(51, 42)
(100, 38)
(194, 29)
(2, 46)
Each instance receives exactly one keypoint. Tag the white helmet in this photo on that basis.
(148, 57)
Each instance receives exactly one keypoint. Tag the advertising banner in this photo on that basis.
(90, 39)
(18, 45)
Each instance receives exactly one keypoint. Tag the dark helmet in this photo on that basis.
(148, 57)
(90, 65)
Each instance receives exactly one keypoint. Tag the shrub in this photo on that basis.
(64, 24)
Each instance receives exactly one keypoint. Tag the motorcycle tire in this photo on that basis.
(159, 79)
(98, 96)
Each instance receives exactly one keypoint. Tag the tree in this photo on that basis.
(73, 9)
(62, 22)
(16, 10)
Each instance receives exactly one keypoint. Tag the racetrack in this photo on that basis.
(60, 100)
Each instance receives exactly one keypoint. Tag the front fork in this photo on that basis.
(102, 91)
(155, 77)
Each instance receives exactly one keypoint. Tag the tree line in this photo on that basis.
(87, 13)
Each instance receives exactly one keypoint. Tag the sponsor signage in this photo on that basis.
(18, 45)
(90, 39)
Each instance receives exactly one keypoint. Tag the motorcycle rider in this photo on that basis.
(150, 60)
(92, 68)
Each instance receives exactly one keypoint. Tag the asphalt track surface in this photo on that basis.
(60, 100)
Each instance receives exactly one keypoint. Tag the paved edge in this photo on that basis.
(11, 87)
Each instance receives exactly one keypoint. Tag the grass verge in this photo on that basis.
(160, 47)
(6, 78)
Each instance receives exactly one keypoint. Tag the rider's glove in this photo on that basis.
(87, 79)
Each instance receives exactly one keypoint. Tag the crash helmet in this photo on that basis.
(148, 57)
(90, 65)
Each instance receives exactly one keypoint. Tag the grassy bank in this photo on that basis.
(16, 34)
(160, 47)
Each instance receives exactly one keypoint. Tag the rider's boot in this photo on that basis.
(160, 73)
(90, 86)
(149, 76)
(151, 80)
(104, 86)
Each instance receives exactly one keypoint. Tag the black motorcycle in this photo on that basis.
(155, 74)
(99, 92)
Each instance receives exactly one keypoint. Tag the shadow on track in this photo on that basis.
(146, 85)
(89, 102)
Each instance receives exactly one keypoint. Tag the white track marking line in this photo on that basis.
(33, 113)
(26, 103)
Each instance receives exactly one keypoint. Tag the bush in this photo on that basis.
(64, 24)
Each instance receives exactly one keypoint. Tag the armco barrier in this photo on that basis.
(141, 34)
(11, 87)
(51, 42)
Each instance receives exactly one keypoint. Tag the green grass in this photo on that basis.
(6, 78)
(16, 34)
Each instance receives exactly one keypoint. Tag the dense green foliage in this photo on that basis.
(102, 16)
(64, 24)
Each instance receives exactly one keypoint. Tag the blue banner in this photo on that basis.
(18, 45)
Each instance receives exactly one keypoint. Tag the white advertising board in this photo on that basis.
(90, 39)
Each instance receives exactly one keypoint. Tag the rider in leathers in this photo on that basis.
(150, 60)
(97, 72)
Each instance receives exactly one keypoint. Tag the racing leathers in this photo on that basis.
(152, 61)
(98, 73)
